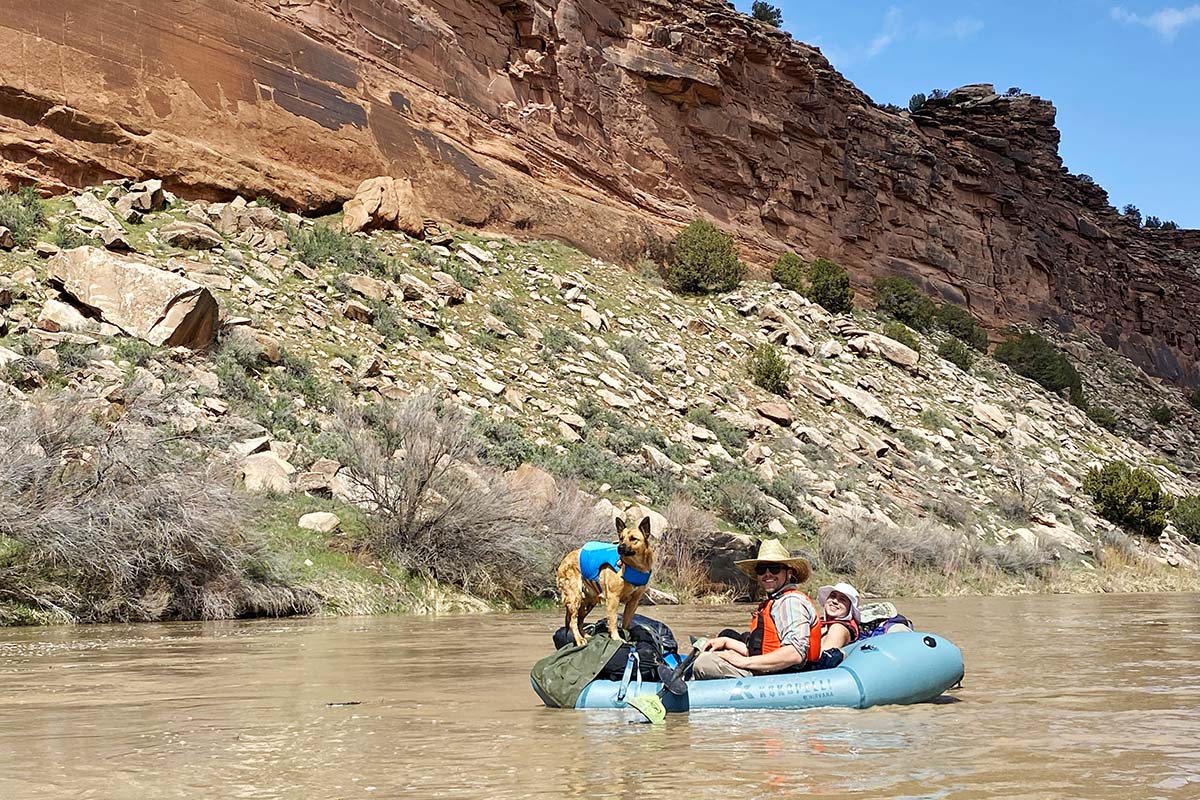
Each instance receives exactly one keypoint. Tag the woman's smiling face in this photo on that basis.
(837, 605)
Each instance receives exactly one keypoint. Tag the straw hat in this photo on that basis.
(772, 551)
(841, 588)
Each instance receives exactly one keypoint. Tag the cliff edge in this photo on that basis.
(593, 122)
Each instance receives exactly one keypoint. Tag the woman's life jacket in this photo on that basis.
(849, 622)
(764, 638)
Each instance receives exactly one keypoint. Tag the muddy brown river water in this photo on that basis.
(1064, 697)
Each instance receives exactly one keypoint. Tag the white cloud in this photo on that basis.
(896, 29)
(964, 27)
(892, 29)
(1167, 23)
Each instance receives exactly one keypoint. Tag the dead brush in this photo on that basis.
(679, 554)
(121, 520)
(437, 513)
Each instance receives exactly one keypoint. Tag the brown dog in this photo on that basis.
(597, 570)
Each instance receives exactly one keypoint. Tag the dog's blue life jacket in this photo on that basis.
(594, 556)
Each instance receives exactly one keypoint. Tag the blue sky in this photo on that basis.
(1124, 76)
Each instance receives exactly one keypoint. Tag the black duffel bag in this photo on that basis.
(654, 641)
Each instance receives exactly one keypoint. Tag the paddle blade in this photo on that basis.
(650, 707)
(672, 679)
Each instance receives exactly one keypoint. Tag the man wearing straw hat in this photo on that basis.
(785, 630)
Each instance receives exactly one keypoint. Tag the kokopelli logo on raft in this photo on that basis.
(801, 688)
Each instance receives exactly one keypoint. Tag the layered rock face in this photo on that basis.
(595, 122)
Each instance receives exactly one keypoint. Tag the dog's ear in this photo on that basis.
(645, 526)
(620, 525)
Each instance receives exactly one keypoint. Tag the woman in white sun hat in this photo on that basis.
(841, 616)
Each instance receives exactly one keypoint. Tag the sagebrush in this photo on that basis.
(119, 520)
(437, 512)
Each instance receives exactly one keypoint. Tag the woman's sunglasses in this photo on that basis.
(763, 569)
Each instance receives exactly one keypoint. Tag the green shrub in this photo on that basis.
(824, 282)
(23, 213)
(769, 370)
(958, 322)
(460, 272)
(731, 438)
(789, 272)
(1194, 398)
(1186, 517)
(634, 350)
(765, 12)
(509, 315)
(1162, 414)
(829, 286)
(899, 298)
(902, 334)
(1104, 417)
(320, 244)
(703, 260)
(589, 462)
(554, 341)
(503, 443)
(1031, 355)
(1131, 498)
(956, 353)
(67, 237)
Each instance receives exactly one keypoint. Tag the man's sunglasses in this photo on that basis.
(763, 569)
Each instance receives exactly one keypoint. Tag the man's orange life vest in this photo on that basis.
(764, 638)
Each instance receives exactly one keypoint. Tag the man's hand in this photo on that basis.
(736, 659)
(725, 644)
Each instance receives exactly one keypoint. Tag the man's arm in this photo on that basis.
(781, 659)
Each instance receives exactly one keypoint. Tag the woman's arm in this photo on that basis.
(838, 635)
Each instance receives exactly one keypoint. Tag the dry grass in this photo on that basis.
(926, 556)
(119, 520)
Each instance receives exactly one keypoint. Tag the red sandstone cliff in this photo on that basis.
(585, 119)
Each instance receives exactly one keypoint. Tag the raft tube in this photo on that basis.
(894, 669)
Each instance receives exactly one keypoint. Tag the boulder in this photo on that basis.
(633, 516)
(899, 354)
(477, 253)
(320, 521)
(660, 460)
(154, 305)
(992, 417)
(367, 286)
(58, 317)
(719, 550)
(862, 402)
(592, 318)
(266, 472)
(319, 477)
(386, 203)
(786, 331)
(92, 209)
(779, 413)
(191, 236)
(535, 486)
